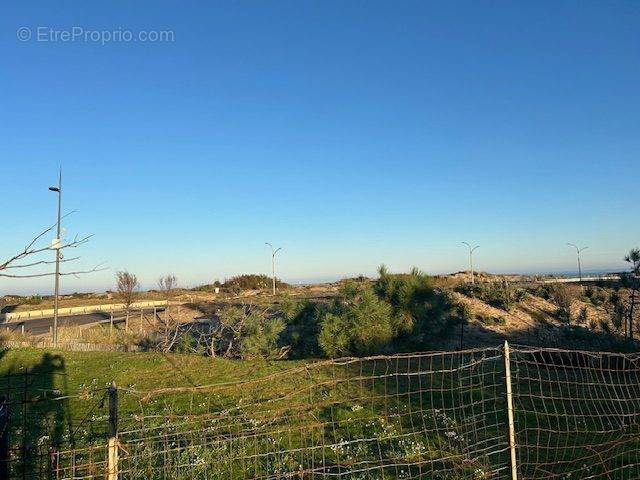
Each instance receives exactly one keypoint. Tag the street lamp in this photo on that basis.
(471, 250)
(578, 251)
(273, 264)
(56, 248)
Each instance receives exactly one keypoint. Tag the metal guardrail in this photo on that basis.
(590, 278)
(33, 314)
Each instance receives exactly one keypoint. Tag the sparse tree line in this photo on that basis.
(396, 312)
(165, 329)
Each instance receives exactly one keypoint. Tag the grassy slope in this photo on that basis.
(254, 427)
(144, 370)
(89, 373)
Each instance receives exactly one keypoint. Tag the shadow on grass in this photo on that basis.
(36, 422)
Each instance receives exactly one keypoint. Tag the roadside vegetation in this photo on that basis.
(243, 332)
(395, 312)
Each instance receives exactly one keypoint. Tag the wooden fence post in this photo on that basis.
(4, 436)
(512, 432)
(112, 447)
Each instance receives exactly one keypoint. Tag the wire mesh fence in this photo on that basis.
(577, 414)
(418, 416)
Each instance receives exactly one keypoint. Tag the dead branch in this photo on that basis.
(41, 262)
(32, 249)
(97, 268)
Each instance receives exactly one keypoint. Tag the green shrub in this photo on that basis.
(246, 332)
(596, 295)
(397, 312)
(491, 319)
(563, 297)
(618, 314)
(583, 316)
(545, 291)
(500, 295)
(358, 323)
(32, 300)
(251, 282)
(209, 287)
(302, 326)
(464, 314)
(260, 337)
(334, 338)
(421, 312)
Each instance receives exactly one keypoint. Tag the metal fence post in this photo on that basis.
(512, 432)
(112, 447)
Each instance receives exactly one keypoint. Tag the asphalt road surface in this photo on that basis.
(40, 326)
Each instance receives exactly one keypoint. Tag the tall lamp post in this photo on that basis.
(578, 251)
(56, 247)
(471, 250)
(273, 265)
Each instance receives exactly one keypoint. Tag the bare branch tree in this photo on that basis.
(167, 283)
(171, 328)
(127, 284)
(33, 248)
(172, 334)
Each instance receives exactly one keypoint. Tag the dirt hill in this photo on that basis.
(534, 320)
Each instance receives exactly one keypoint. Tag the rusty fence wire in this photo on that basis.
(438, 415)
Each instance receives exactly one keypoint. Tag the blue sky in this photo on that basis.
(349, 133)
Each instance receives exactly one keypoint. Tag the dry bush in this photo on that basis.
(564, 296)
(167, 284)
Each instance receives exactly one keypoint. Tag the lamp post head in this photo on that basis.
(578, 249)
(54, 189)
(470, 247)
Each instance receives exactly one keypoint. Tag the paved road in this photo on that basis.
(40, 326)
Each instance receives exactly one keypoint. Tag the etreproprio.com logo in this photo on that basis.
(77, 34)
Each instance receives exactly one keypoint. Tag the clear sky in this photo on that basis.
(351, 133)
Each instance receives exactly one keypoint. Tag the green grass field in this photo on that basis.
(371, 419)
(151, 369)
(428, 416)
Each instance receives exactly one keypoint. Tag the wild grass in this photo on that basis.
(369, 414)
